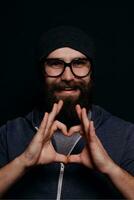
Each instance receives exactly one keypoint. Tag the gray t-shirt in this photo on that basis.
(65, 144)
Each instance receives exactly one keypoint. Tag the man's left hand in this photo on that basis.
(93, 155)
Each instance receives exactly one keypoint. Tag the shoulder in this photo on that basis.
(117, 136)
(14, 126)
(17, 123)
(114, 131)
(103, 117)
(15, 135)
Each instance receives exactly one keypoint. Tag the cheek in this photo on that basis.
(50, 81)
(87, 80)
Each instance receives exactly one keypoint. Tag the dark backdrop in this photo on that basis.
(22, 22)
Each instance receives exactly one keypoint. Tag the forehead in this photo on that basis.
(66, 53)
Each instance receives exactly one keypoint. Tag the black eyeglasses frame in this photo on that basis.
(66, 65)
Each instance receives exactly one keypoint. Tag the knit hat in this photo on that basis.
(66, 36)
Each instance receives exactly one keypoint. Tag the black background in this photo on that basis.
(22, 22)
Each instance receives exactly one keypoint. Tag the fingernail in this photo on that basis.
(92, 123)
(61, 101)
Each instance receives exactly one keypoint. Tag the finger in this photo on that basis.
(43, 125)
(74, 158)
(75, 129)
(78, 110)
(60, 158)
(33, 150)
(60, 104)
(92, 129)
(85, 121)
(55, 110)
(92, 134)
(58, 125)
(51, 118)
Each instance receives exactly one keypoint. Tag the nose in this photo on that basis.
(67, 74)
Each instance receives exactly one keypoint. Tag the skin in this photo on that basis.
(41, 151)
(93, 155)
(66, 54)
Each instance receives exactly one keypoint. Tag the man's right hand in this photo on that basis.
(41, 150)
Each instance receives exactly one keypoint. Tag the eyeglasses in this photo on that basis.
(55, 67)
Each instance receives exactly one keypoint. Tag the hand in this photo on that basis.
(93, 155)
(41, 150)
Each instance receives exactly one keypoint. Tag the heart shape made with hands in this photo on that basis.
(65, 139)
(77, 158)
(41, 149)
(57, 125)
(93, 154)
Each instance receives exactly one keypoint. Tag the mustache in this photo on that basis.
(62, 85)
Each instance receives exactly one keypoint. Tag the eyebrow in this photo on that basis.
(59, 58)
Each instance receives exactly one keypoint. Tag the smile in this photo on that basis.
(68, 91)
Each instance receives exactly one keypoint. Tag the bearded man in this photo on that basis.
(67, 148)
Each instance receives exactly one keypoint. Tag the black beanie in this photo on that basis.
(65, 36)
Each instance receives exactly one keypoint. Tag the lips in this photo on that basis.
(68, 89)
(65, 90)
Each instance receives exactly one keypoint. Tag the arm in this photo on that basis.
(123, 181)
(10, 173)
(39, 151)
(95, 156)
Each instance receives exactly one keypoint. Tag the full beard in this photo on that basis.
(68, 114)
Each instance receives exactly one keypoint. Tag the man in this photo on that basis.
(67, 148)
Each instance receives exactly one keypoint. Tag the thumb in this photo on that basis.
(74, 158)
(60, 158)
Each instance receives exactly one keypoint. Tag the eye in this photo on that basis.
(80, 62)
(53, 62)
